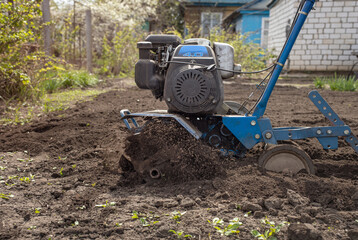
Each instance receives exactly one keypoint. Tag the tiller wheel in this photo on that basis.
(286, 159)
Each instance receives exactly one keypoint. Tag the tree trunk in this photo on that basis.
(46, 14)
(89, 39)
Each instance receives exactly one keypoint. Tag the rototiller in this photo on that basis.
(188, 76)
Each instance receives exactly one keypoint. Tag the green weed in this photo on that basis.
(180, 234)
(228, 230)
(270, 230)
(6, 196)
(337, 83)
(176, 216)
(144, 219)
(107, 204)
(61, 78)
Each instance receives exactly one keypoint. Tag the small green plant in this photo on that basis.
(6, 196)
(61, 173)
(75, 224)
(228, 230)
(37, 210)
(32, 228)
(319, 83)
(337, 83)
(2, 168)
(143, 218)
(74, 166)
(118, 224)
(270, 230)
(180, 234)
(107, 204)
(176, 216)
(27, 179)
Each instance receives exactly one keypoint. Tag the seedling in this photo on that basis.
(180, 234)
(143, 219)
(248, 214)
(176, 216)
(107, 204)
(32, 228)
(6, 196)
(27, 179)
(76, 223)
(61, 173)
(93, 184)
(231, 228)
(82, 207)
(25, 160)
(74, 166)
(2, 168)
(118, 224)
(270, 228)
(37, 210)
(62, 158)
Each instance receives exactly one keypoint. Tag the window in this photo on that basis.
(210, 20)
(264, 32)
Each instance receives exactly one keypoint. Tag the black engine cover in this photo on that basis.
(190, 88)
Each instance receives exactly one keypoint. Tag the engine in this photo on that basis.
(185, 74)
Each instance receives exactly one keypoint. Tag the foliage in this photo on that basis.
(19, 56)
(176, 216)
(231, 228)
(270, 230)
(107, 204)
(180, 234)
(144, 219)
(250, 55)
(6, 196)
(170, 14)
(58, 78)
(120, 54)
(337, 83)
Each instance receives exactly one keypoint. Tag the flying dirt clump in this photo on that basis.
(164, 149)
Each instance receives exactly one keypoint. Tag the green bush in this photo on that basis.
(119, 55)
(20, 59)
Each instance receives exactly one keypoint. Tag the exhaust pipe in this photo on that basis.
(155, 173)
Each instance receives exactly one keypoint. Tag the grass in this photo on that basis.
(62, 100)
(337, 83)
(60, 79)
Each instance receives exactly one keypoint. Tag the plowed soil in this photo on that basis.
(63, 179)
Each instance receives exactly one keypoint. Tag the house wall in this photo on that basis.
(192, 15)
(327, 39)
(251, 24)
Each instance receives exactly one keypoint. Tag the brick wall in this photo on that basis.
(327, 39)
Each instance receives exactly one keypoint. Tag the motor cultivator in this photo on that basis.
(189, 77)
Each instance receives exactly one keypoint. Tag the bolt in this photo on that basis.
(346, 132)
(169, 100)
(253, 123)
(257, 136)
(329, 131)
(319, 132)
(268, 135)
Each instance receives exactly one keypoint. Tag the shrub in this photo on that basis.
(20, 59)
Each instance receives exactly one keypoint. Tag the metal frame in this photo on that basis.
(251, 130)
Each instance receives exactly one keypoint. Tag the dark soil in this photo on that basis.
(69, 176)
